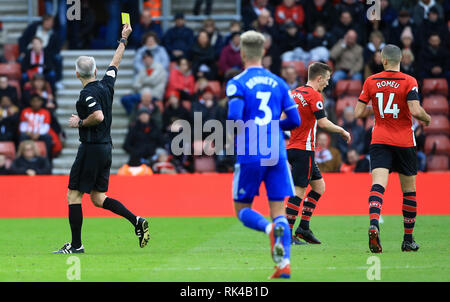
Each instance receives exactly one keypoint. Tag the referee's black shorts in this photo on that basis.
(91, 168)
(304, 167)
(396, 159)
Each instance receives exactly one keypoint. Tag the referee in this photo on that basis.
(90, 171)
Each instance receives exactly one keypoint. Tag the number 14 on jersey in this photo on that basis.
(390, 108)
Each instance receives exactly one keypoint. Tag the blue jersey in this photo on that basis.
(260, 97)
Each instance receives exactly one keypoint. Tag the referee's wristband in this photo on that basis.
(124, 41)
(80, 123)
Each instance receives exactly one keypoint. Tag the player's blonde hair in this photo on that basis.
(252, 44)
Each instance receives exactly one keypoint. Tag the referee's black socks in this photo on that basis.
(75, 221)
(118, 208)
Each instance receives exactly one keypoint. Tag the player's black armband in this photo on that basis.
(359, 100)
(412, 95)
(319, 114)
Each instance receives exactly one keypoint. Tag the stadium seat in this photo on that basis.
(343, 102)
(8, 149)
(348, 87)
(440, 143)
(437, 163)
(439, 125)
(435, 86)
(11, 52)
(42, 148)
(435, 104)
(11, 70)
(204, 164)
(299, 67)
(16, 84)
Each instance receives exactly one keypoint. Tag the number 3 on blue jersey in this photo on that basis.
(263, 106)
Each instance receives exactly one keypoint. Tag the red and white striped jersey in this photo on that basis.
(310, 108)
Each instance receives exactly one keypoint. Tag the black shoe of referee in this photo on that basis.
(69, 249)
(408, 246)
(141, 230)
(306, 235)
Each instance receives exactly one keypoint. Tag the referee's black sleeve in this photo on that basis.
(110, 77)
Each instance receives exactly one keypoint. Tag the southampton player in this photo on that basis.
(301, 150)
(90, 170)
(258, 97)
(395, 98)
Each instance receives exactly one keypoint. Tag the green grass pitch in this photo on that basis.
(219, 249)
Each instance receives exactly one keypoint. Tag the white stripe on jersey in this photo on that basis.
(308, 141)
(237, 172)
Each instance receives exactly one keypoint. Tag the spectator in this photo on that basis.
(351, 125)
(8, 90)
(203, 57)
(143, 138)
(38, 85)
(319, 11)
(433, 24)
(356, 9)
(420, 145)
(434, 59)
(344, 24)
(396, 29)
(45, 32)
(407, 40)
(35, 123)
(206, 104)
(178, 40)
(327, 158)
(289, 74)
(181, 79)
(318, 38)
(348, 58)
(163, 164)
(29, 162)
(374, 65)
(4, 166)
(272, 57)
(37, 60)
(235, 27)
(251, 11)
(147, 102)
(407, 64)
(291, 38)
(388, 14)
(150, 42)
(215, 38)
(174, 111)
(153, 76)
(265, 24)
(355, 162)
(420, 11)
(198, 4)
(289, 11)
(8, 119)
(230, 57)
(134, 167)
(145, 26)
(376, 43)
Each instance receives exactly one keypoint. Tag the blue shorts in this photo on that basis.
(248, 177)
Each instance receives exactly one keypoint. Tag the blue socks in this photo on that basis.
(281, 220)
(253, 219)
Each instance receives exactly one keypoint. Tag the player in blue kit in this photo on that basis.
(257, 98)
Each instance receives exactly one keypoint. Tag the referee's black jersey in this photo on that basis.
(97, 95)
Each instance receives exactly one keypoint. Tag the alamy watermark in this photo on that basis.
(74, 270)
(73, 10)
(229, 139)
(374, 11)
(374, 270)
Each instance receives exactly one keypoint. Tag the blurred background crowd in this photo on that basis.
(181, 71)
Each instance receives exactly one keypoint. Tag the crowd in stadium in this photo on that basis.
(182, 71)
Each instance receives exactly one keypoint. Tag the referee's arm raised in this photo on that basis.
(126, 31)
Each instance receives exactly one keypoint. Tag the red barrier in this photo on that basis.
(209, 195)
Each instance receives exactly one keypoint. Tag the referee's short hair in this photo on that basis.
(252, 44)
(85, 66)
(392, 54)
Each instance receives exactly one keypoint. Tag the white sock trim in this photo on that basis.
(268, 229)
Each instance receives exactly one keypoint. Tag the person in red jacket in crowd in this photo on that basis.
(35, 123)
(230, 57)
(181, 79)
(290, 11)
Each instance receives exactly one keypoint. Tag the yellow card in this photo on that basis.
(125, 18)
